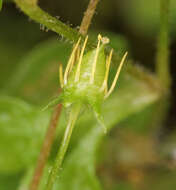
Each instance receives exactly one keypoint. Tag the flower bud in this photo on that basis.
(86, 75)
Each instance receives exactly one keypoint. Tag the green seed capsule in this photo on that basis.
(86, 75)
(80, 86)
(84, 83)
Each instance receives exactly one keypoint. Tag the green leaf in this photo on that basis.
(36, 78)
(8, 181)
(22, 129)
(14, 45)
(145, 122)
(144, 16)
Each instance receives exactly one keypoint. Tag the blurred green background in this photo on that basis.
(139, 153)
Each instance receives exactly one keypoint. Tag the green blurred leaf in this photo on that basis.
(36, 78)
(8, 182)
(123, 186)
(22, 130)
(13, 45)
(144, 16)
(145, 122)
(161, 179)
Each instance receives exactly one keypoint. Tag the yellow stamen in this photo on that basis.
(76, 58)
(80, 60)
(72, 63)
(95, 60)
(108, 62)
(116, 76)
(71, 59)
(61, 75)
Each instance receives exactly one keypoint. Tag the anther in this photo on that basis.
(105, 40)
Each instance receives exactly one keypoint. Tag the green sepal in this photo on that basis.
(99, 117)
(53, 103)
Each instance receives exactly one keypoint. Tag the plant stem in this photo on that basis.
(40, 16)
(48, 141)
(64, 145)
(88, 16)
(162, 58)
(46, 147)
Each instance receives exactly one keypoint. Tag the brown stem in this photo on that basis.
(45, 150)
(88, 16)
(48, 141)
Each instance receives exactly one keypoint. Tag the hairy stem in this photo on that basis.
(64, 145)
(31, 9)
(88, 16)
(162, 58)
(45, 150)
(40, 16)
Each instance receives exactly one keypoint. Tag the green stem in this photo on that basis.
(88, 16)
(64, 145)
(1, 4)
(40, 16)
(162, 58)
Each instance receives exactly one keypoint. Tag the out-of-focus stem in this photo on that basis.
(162, 58)
(64, 145)
(40, 16)
(46, 147)
(86, 21)
(33, 11)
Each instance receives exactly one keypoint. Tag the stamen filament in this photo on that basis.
(76, 57)
(95, 60)
(61, 75)
(116, 76)
(80, 60)
(70, 61)
(108, 62)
